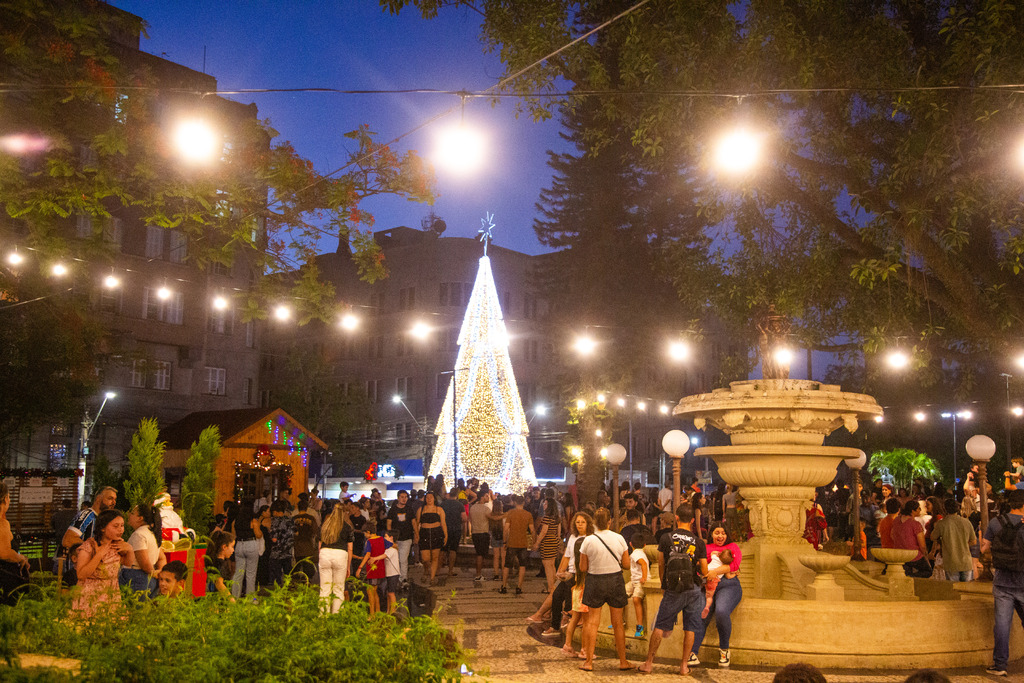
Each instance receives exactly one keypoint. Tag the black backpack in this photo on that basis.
(679, 567)
(1007, 546)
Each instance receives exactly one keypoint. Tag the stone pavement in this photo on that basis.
(507, 648)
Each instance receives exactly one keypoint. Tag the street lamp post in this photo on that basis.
(87, 426)
(855, 465)
(1009, 418)
(964, 415)
(676, 443)
(614, 455)
(981, 449)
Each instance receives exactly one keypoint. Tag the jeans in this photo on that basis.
(960, 576)
(278, 568)
(247, 558)
(404, 547)
(138, 580)
(333, 571)
(726, 598)
(1007, 601)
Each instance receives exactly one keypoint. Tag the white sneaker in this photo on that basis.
(993, 671)
(723, 659)
(693, 660)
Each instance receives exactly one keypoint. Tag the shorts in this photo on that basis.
(690, 603)
(390, 584)
(431, 539)
(516, 557)
(454, 539)
(497, 539)
(635, 590)
(606, 589)
(482, 544)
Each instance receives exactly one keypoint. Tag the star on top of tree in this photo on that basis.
(485, 232)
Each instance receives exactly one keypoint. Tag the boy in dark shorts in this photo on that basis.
(518, 529)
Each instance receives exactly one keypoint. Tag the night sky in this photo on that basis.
(356, 45)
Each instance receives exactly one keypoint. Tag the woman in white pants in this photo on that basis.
(335, 550)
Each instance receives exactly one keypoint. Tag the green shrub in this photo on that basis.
(284, 637)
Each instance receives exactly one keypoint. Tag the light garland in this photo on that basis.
(484, 435)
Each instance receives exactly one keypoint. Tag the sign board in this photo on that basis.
(63, 481)
(10, 482)
(35, 481)
(35, 494)
(386, 471)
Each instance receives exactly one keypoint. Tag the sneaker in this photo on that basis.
(478, 578)
(496, 577)
(693, 660)
(723, 659)
(639, 632)
(993, 671)
(519, 590)
(503, 590)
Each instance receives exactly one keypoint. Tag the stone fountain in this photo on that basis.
(800, 605)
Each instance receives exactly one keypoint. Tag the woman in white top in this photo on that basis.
(603, 557)
(147, 558)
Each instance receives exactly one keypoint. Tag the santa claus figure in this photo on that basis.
(170, 521)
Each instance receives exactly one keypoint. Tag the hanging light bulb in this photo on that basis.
(282, 312)
(897, 360)
(783, 356)
(163, 293)
(580, 404)
(460, 150)
(111, 281)
(738, 151)
(663, 409)
(584, 345)
(349, 322)
(641, 405)
(220, 303)
(59, 269)
(15, 259)
(196, 141)
(678, 350)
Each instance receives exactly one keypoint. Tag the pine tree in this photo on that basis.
(197, 486)
(482, 427)
(146, 465)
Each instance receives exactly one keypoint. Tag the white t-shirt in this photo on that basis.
(715, 561)
(729, 499)
(569, 546)
(636, 572)
(391, 567)
(665, 499)
(478, 517)
(599, 560)
(143, 539)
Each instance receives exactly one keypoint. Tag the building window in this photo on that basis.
(170, 310)
(179, 246)
(221, 269)
(377, 303)
(530, 307)
(442, 294)
(531, 348)
(376, 347)
(456, 297)
(221, 322)
(247, 391)
(407, 299)
(371, 390)
(110, 300)
(250, 335)
(402, 387)
(442, 384)
(154, 242)
(216, 381)
(162, 375)
(138, 378)
(83, 225)
(265, 398)
(58, 453)
(113, 231)
(60, 429)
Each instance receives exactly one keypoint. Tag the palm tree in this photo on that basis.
(903, 465)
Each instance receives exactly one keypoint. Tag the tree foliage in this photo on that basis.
(145, 465)
(887, 207)
(197, 486)
(903, 465)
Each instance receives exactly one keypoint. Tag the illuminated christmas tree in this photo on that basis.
(482, 427)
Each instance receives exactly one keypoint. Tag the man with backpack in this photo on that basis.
(1005, 538)
(684, 564)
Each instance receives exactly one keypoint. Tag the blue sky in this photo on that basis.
(355, 45)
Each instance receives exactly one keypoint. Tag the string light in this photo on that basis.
(621, 402)
(783, 356)
(601, 398)
(15, 259)
(641, 405)
(420, 330)
(482, 427)
(678, 350)
(879, 419)
(663, 409)
(738, 151)
(282, 313)
(584, 345)
(920, 416)
(163, 293)
(1017, 411)
(220, 303)
(898, 360)
(59, 269)
(349, 322)
(111, 282)
(580, 404)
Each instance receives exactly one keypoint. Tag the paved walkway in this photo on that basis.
(508, 649)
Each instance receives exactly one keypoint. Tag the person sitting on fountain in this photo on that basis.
(718, 558)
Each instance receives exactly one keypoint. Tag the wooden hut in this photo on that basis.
(263, 450)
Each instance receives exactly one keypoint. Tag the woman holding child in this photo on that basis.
(723, 590)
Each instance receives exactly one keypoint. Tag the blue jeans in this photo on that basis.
(727, 596)
(1007, 601)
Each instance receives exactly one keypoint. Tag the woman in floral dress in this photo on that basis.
(98, 562)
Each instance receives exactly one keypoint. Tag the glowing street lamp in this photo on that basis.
(460, 150)
(783, 356)
(663, 409)
(897, 360)
(420, 330)
(738, 151)
(15, 258)
(584, 345)
(163, 293)
(196, 141)
(580, 404)
(59, 269)
(678, 350)
(111, 282)
(349, 322)
(920, 416)
(220, 303)
(282, 313)
(1017, 411)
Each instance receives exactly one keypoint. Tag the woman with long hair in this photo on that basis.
(496, 522)
(727, 595)
(699, 521)
(98, 563)
(13, 565)
(336, 536)
(603, 556)
(147, 557)
(549, 541)
(248, 546)
(433, 534)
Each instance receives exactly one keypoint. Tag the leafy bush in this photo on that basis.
(146, 470)
(284, 637)
(197, 486)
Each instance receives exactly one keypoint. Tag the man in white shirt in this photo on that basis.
(665, 499)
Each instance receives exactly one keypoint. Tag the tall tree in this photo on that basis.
(145, 465)
(886, 166)
(197, 486)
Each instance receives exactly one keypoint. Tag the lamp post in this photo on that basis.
(964, 415)
(675, 443)
(981, 449)
(1009, 417)
(855, 465)
(87, 426)
(614, 455)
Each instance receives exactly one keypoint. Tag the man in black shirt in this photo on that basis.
(401, 524)
(683, 546)
(634, 523)
(454, 517)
